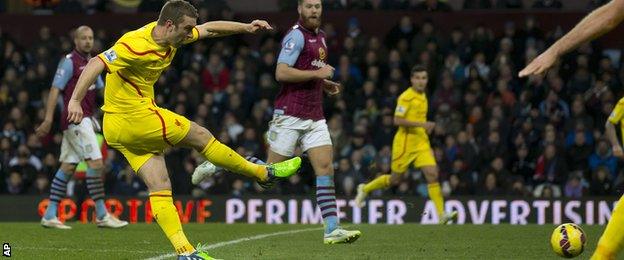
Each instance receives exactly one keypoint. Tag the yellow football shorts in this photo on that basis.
(141, 134)
(407, 151)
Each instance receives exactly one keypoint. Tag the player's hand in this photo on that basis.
(540, 64)
(326, 72)
(258, 25)
(617, 152)
(429, 126)
(44, 128)
(330, 87)
(74, 112)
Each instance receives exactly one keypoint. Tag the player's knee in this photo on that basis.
(324, 168)
(96, 164)
(199, 136)
(431, 174)
(68, 168)
(394, 179)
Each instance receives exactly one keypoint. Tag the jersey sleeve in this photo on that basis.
(402, 107)
(194, 37)
(118, 57)
(63, 74)
(291, 47)
(617, 114)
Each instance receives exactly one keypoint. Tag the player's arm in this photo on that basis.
(63, 74)
(113, 60)
(399, 121)
(595, 24)
(403, 105)
(225, 28)
(94, 68)
(610, 131)
(288, 74)
(291, 48)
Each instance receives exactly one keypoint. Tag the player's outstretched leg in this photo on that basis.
(223, 156)
(207, 169)
(58, 191)
(612, 240)
(154, 174)
(96, 190)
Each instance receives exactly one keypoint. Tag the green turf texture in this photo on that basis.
(411, 241)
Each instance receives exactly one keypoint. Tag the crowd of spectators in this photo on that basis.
(495, 134)
(131, 6)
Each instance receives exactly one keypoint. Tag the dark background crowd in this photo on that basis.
(495, 134)
(128, 6)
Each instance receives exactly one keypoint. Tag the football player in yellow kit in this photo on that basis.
(140, 130)
(411, 145)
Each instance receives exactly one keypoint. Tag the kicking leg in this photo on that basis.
(203, 141)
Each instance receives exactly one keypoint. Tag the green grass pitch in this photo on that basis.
(410, 241)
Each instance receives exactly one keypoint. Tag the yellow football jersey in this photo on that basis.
(617, 115)
(412, 106)
(134, 64)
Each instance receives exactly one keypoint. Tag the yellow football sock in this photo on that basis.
(380, 182)
(224, 157)
(168, 219)
(435, 194)
(612, 239)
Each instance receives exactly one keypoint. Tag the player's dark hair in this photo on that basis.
(300, 2)
(418, 68)
(175, 10)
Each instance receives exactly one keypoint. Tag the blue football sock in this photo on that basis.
(326, 201)
(58, 191)
(96, 191)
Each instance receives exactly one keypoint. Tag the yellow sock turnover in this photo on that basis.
(168, 219)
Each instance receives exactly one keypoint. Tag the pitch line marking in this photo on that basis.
(240, 240)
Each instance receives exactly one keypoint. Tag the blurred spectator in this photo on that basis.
(490, 186)
(550, 167)
(477, 4)
(518, 188)
(128, 183)
(522, 165)
(41, 185)
(601, 183)
(578, 152)
(432, 6)
(547, 191)
(602, 157)
(216, 76)
(509, 4)
(573, 188)
(547, 4)
(15, 183)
